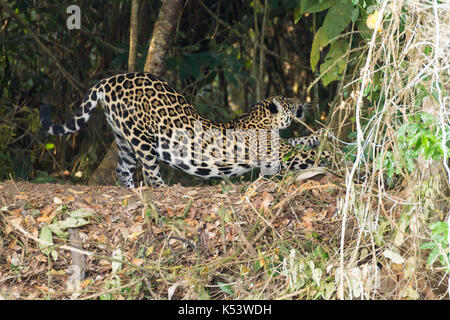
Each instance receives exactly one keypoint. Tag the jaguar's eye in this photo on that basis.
(299, 113)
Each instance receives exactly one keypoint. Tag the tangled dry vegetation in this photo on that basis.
(228, 241)
(408, 61)
(357, 235)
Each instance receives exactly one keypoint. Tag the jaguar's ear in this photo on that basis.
(275, 106)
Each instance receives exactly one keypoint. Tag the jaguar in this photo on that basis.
(152, 121)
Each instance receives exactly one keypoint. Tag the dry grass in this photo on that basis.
(410, 55)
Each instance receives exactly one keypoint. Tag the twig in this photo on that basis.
(46, 243)
(95, 295)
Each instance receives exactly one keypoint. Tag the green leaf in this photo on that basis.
(312, 6)
(75, 220)
(231, 78)
(337, 18)
(427, 118)
(49, 146)
(427, 245)
(46, 235)
(334, 64)
(434, 255)
(355, 14)
(297, 14)
(320, 41)
(288, 155)
(439, 227)
(82, 213)
(225, 288)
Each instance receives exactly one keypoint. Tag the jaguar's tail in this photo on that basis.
(82, 116)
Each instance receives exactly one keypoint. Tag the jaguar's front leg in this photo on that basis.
(312, 141)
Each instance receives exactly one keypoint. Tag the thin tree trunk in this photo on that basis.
(259, 42)
(132, 66)
(162, 38)
(260, 79)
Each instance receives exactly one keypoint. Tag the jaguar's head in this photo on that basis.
(281, 111)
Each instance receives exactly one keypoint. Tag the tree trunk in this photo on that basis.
(133, 35)
(162, 37)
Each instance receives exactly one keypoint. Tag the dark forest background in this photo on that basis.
(224, 56)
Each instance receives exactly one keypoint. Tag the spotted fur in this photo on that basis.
(152, 121)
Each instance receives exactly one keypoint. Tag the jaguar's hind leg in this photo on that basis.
(126, 162)
(146, 154)
(150, 168)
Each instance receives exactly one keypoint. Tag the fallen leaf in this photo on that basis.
(35, 232)
(16, 221)
(393, 256)
(170, 212)
(57, 272)
(172, 288)
(244, 269)
(47, 210)
(410, 293)
(15, 212)
(266, 202)
(135, 235)
(137, 261)
(307, 219)
(262, 262)
(12, 244)
(74, 191)
(85, 283)
(44, 219)
(88, 199)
